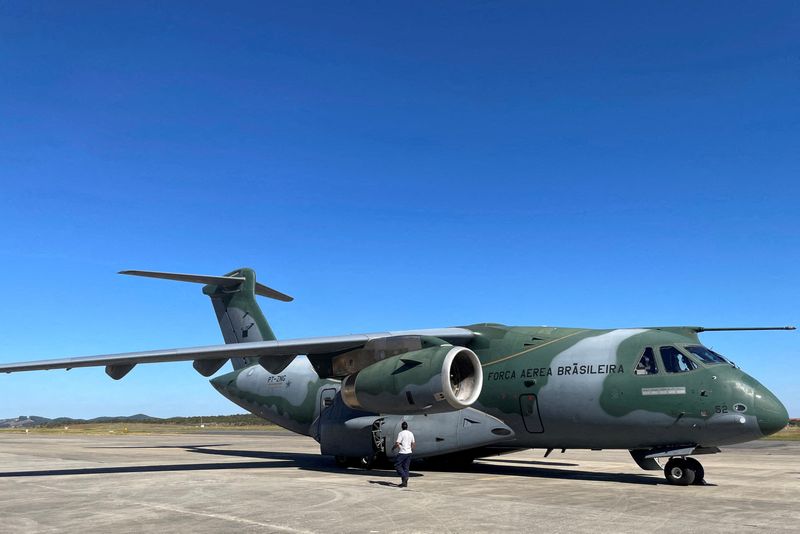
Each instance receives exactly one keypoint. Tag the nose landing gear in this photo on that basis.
(684, 471)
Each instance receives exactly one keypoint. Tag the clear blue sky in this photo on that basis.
(391, 166)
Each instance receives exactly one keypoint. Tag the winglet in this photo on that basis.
(230, 280)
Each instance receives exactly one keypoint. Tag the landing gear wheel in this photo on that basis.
(366, 462)
(699, 472)
(680, 472)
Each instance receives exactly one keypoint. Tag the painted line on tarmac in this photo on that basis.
(224, 517)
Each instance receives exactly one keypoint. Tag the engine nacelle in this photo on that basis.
(433, 380)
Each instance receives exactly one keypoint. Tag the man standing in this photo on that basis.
(406, 444)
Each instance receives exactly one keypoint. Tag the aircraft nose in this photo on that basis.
(772, 414)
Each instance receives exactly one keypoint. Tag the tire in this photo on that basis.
(366, 462)
(679, 472)
(699, 472)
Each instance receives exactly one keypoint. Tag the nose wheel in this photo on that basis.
(684, 471)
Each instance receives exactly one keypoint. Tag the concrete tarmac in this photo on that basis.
(277, 482)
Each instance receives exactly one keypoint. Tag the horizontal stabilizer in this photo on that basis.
(223, 281)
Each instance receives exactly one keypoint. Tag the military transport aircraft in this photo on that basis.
(474, 391)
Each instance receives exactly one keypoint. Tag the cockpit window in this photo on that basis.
(675, 361)
(706, 354)
(647, 363)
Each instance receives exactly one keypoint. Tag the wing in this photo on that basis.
(273, 355)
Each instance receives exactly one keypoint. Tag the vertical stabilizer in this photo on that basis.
(239, 316)
(234, 300)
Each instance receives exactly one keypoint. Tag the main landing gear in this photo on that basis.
(682, 471)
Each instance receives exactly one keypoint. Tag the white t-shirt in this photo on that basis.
(405, 438)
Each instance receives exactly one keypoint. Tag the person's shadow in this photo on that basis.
(384, 483)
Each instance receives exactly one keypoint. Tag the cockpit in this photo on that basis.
(707, 355)
(677, 359)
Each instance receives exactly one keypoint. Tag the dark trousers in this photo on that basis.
(401, 464)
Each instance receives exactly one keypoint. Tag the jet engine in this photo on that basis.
(432, 380)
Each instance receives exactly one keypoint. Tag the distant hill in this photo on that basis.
(32, 421)
(24, 421)
(139, 417)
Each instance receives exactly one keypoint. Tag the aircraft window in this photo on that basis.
(706, 354)
(647, 363)
(675, 361)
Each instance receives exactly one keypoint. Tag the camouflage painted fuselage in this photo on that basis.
(561, 388)
(587, 394)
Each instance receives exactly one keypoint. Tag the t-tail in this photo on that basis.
(234, 298)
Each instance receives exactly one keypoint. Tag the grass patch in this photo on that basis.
(790, 433)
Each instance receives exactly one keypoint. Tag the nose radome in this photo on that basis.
(772, 414)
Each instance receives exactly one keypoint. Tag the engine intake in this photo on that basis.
(433, 380)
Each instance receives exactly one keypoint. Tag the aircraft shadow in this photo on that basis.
(308, 462)
(565, 474)
(316, 462)
(260, 460)
(159, 446)
(534, 462)
(139, 469)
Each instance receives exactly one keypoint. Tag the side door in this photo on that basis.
(529, 408)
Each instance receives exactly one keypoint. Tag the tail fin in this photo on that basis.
(233, 296)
